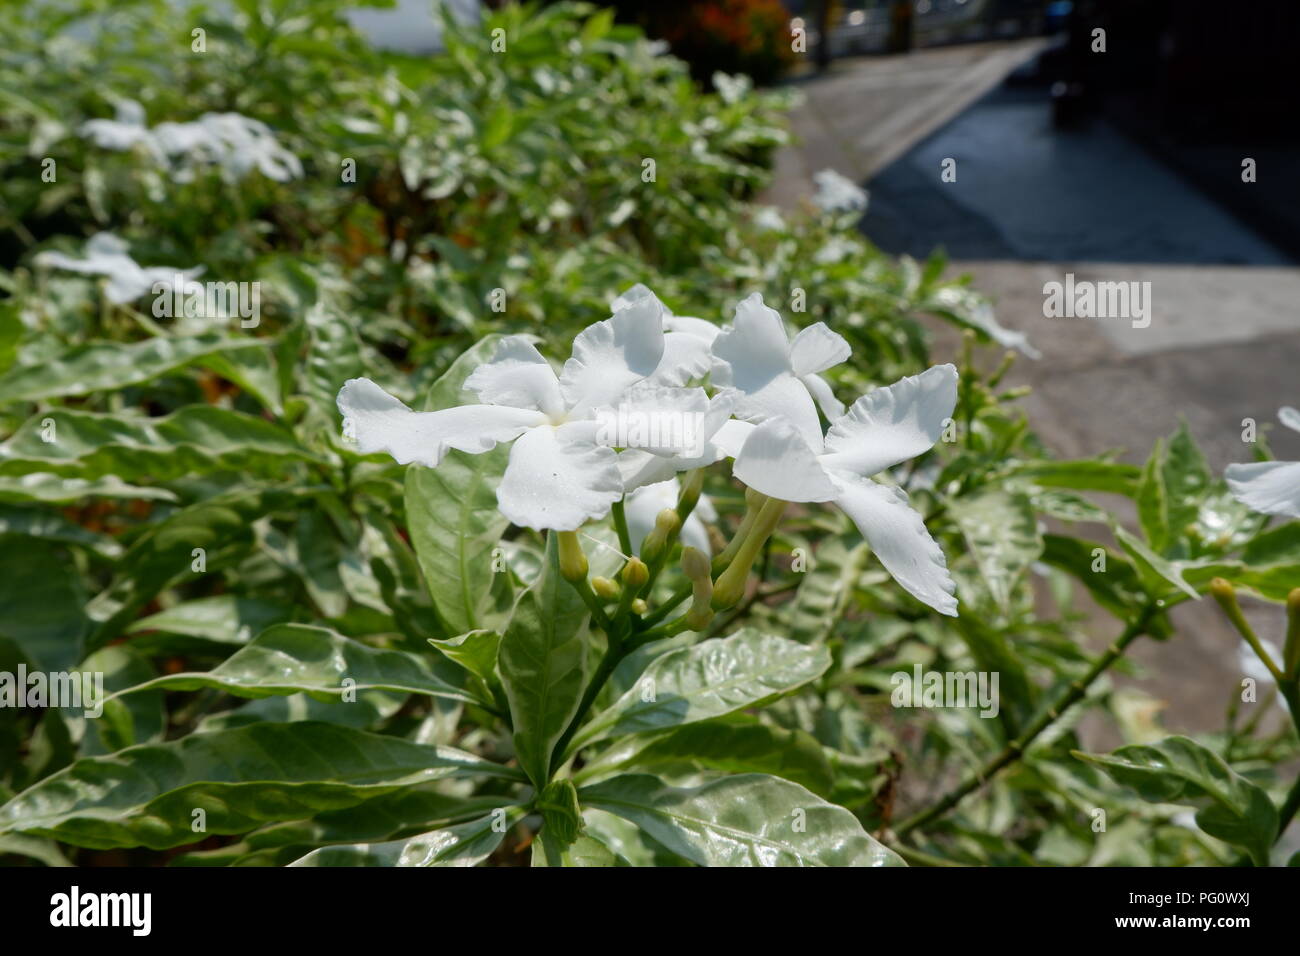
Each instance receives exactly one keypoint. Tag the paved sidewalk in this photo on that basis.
(1032, 204)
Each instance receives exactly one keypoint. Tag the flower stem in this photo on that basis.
(1016, 748)
(620, 526)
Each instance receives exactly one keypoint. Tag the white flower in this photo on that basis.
(106, 254)
(883, 428)
(644, 504)
(775, 376)
(836, 193)
(1270, 487)
(236, 143)
(769, 219)
(558, 475)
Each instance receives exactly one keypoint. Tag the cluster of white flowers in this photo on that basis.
(235, 143)
(107, 255)
(763, 413)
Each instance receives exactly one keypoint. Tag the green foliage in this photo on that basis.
(341, 661)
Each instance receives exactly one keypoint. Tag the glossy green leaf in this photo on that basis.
(708, 680)
(222, 619)
(1179, 770)
(1002, 531)
(104, 365)
(41, 603)
(743, 820)
(194, 439)
(543, 663)
(465, 844)
(737, 743)
(295, 658)
(241, 779)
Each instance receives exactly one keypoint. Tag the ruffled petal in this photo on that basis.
(778, 462)
(899, 537)
(892, 424)
(754, 358)
(554, 482)
(686, 358)
(821, 392)
(519, 376)
(611, 356)
(817, 348)
(1269, 487)
(382, 423)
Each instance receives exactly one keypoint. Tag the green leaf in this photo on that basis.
(1110, 579)
(708, 680)
(453, 518)
(737, 743)
(543, 662)
(465, 844)
(110, 365)
(745, 820)
(1156, 573)
(297, 658)
(223, 619)
(1179, 770)
(1272, 562)
(1084, 475)
(1152, 500)
(54, 489)
(561, 815)
(240, 778)
(1002, 531)
(41, 603)
(192, 440)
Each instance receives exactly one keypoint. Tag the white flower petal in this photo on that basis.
(899, 537)
(640, 468)
(731, 437)
(659, 419)
(1269, 487)
(686, 358)
(892, 424)
(778, 462)
(1289, 417)
(553, 482)
(611, 356)
(820, 390)
(382, 423)
(689, 325)
(519, 376)
(754, 358)
(817, 348)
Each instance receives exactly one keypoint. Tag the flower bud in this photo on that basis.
(573, 563)
(606, 589)
(698, 568)
(657, 541)
(635, 573)
(638, 606)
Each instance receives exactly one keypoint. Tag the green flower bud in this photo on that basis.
(573, 563)
(657, 541)
(635, 573)
(606, 589)
(638, 606)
